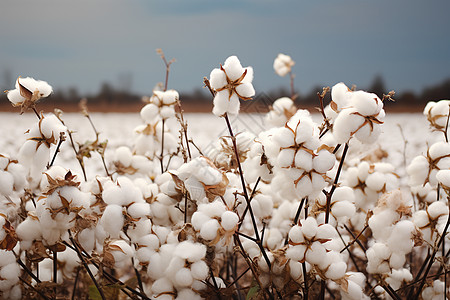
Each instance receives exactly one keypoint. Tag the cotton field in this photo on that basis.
(347, 203)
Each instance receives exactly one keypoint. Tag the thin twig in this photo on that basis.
(336, 180)
(161, 157)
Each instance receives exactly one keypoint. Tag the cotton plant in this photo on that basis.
(358, 113)
(41, 139)
(310, 242)
(283, 64)
(437, 114)
(28, 91)
(394, 234)
(230, 83)
(301, 163)
(369, 181)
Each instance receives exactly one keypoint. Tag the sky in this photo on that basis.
(85, 43)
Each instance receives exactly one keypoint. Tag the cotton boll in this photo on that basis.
(190, 251)
(209, 230)
(283, 137)
(316, 254)
(296, 234)
(343, 209)
(162, 285)
(437, 209)
(123, 155)
(418, 170)
(149, 113)
(112, 220)
(324, 161)
(340, 94)
(401, 237)
(376, 181)
(170, 97)
(139, 210)
(365, 103)
(199, 270)
(198, 219)
(397, 260)
(336, 270)
(229, 220)
(15, 97)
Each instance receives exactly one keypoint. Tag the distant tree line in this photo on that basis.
(108, 94)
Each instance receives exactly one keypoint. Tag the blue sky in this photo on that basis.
(84, 43)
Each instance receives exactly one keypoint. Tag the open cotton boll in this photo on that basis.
(149, 113)
(112, 220)
(123, 155)
(121, 251)
(209, 230)
(345, 124)
(229, 220)
(199, 270)
(417, 170)
(365, 103)
(170, 97)
(190, 251)
(51, 126)
(162, 285)
(340, 94)
(283, 64)
(139, 210)
(15, 97)
(401, 238)
(324, 161)
(336, 270)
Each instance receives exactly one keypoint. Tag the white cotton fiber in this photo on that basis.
(112, 220)
(324, 161)
(221, 103)
(233, 68)
(14, 97)
(184, 277)
(190, 251)
(336, 270)
(139, 210)
(376, 181)
(303, 160)
(309, 227)
(123, 155)
(229, 220)
(209, 230)
(149, 113)
(6, 183)
(199, 270)
(217, 79)
(245, 90)
(285, 158)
